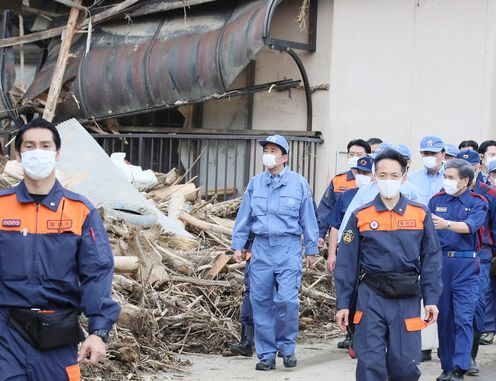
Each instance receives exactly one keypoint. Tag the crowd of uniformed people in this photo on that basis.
(411, 253)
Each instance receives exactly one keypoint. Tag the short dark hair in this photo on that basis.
(374, 141)
(391, 155)
(465, 170)
(468, 143)
(485, 145)
(37, 123)
(361, 143)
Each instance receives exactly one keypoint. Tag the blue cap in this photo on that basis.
(364, 163)
(431, 144)
(451, 150)
(492, 166)
(404, 150)
(276, 139)
(469, 155)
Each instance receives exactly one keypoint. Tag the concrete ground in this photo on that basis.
(315, 362)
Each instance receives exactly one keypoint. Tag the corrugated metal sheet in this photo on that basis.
(160, 60)
(102, 182)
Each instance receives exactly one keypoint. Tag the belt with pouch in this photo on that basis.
(460, 254)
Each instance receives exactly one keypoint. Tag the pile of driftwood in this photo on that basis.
(181, 295)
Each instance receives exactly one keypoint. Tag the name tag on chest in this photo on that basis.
(441, 209)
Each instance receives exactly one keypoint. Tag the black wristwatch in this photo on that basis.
(102, 333)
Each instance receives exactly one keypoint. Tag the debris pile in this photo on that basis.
(181, 295)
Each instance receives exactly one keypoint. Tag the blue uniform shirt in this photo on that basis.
(380, 240)
(367, 193)
(278, 208)
(336, 217)
(55, 254)
(428, 184)
(339, 184)
(469, 208)
(490, 227)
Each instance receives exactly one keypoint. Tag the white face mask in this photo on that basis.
(450, 186)
(269, 160)
(362, 180)
(429, 162)
(490, 159)
(389, 188)
(38, 164)
(352, 162)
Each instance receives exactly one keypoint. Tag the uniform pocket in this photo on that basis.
(73, 372)
(358, 317)
(57, 256)
(290, 202)
(258, 206)
(16, 256)
(415, 324)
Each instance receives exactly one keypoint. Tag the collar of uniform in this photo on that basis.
(349, 175)
(51, 201)
(399, 208)
(438, 173)
(269, 177)
(464, 197)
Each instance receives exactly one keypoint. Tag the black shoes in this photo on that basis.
(345, 344)
(487, 338)
(245, 346)
(445, 376)
(473, 370)
(426, 355)
(265, 365)
(289, 361)
(457, 375)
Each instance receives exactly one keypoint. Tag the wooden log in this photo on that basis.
(175, 261)
(131, 317)
(205, 226)
(189, 192)
(219, 265)
(176, 207)
(126, 264)
(199, 281)
(153, 271)
(45, 34)
(228, 223)
(122, 282)
(317, 295)
(58, 74)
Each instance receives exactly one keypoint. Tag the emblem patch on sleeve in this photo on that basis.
(348, 237)
(374, 225)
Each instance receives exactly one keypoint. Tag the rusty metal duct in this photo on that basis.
(161, 60)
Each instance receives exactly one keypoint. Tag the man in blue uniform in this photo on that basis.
(484, 255)
(459, 216)
(390, 247)
(363, 176)
(450, 152)
(368, 192)
(278, 209)
(490, 317)
(430, 178)
(487, 151)
(340, 184)
(55, 261)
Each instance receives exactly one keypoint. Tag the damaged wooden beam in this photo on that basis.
(54, 32)
(58, 74)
